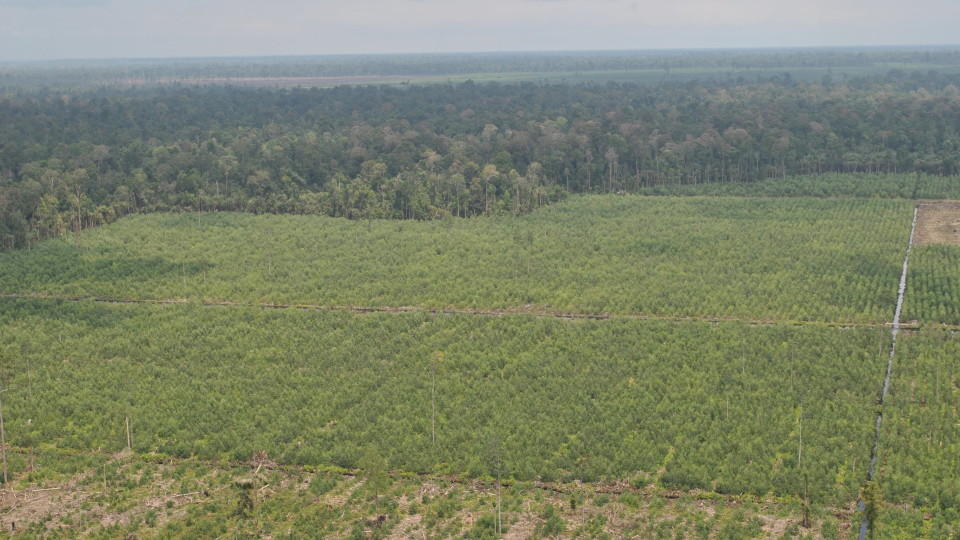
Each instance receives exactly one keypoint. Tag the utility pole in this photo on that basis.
(800, 432)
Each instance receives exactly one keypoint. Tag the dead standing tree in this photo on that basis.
(3, 440)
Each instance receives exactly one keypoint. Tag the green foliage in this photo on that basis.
(244, 497)
(319, 387)
(739, 528)
(373, 472)
(921, 438)
(72, 159)
(684, 405)
(629, 499)
(933, 285)
(771, 259)
(872, 497)
(885, 186)
(323, 482)
(485, 528)
(593, 527)
(551, 524)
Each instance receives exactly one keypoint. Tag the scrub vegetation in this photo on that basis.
(537, 309)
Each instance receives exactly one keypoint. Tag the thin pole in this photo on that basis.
(128, 433)
(800, 447)
(3, 441)
(499, 522)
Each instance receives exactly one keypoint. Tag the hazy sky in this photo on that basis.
(55, 29)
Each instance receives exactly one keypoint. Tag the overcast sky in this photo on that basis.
(58, 29)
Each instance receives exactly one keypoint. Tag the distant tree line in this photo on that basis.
(76, 159)
(73, 73)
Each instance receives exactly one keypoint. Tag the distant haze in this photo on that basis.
(60, 29)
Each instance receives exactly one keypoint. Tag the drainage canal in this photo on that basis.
(886, 379)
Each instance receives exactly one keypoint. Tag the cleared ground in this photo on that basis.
(124, 495)
(938, 223)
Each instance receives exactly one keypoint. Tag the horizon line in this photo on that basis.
(954, 47)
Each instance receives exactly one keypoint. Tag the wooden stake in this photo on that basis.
(128, 433)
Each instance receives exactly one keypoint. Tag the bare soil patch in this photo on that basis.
(938, 223)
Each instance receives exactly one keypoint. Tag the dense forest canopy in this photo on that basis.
(71, 159)
(78, 157)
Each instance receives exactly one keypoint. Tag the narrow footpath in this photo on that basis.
(522, 311)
